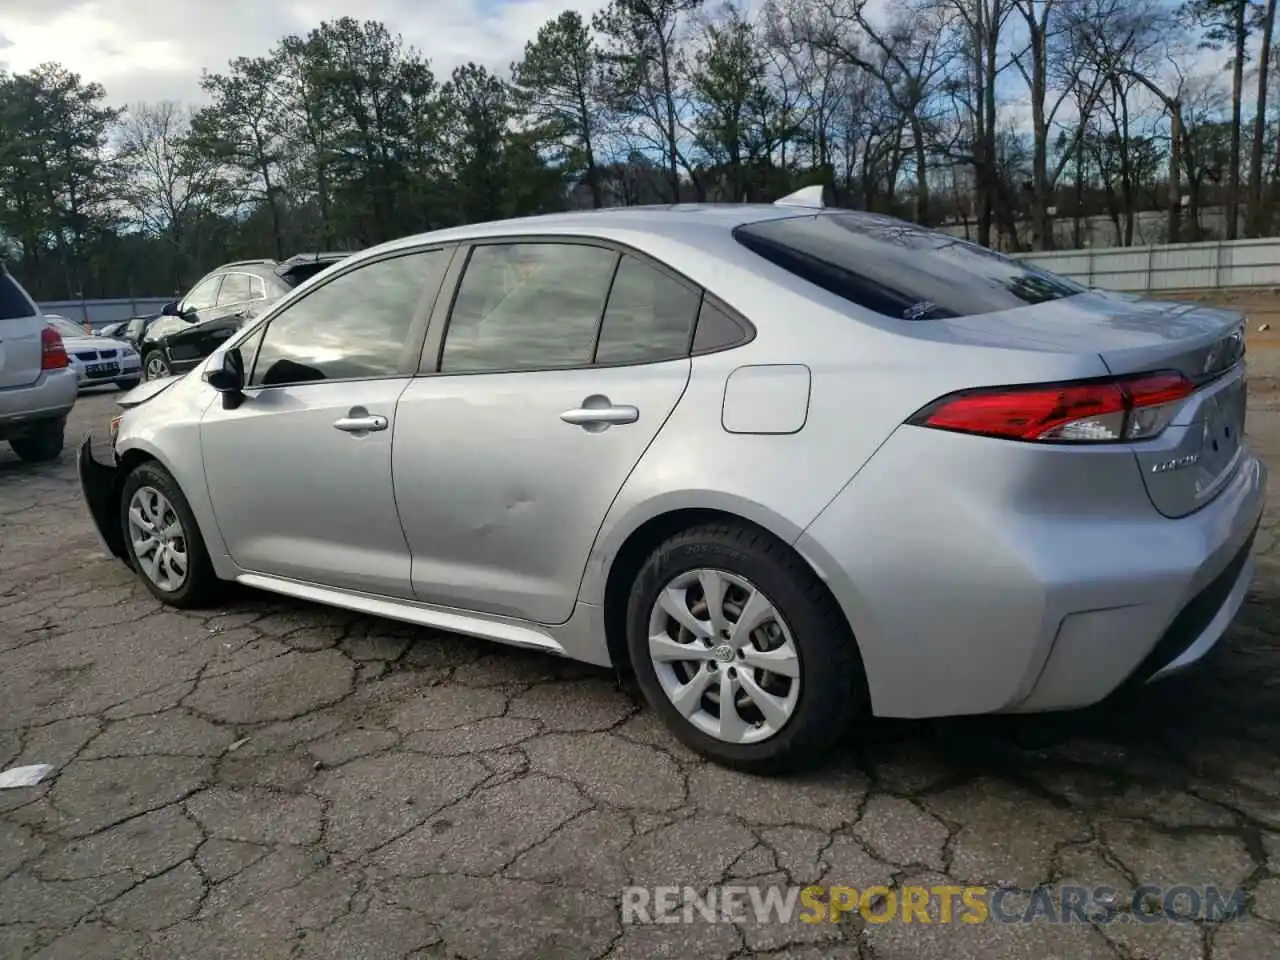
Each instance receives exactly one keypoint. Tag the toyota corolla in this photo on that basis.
(783, 464)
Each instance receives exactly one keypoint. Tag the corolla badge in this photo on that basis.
(1177, 463)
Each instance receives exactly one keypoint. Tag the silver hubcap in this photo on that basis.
(156, 369)
(724, 656)
(158, 540)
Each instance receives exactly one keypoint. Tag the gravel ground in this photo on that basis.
(275, 779)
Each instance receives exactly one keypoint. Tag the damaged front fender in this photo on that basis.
(100, 487)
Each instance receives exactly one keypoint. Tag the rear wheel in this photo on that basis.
(41, 442)
(155, 366)
(163, 541)
(741, 650)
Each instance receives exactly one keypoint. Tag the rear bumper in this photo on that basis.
(100, 488)
(130, 368)
(1024, 580)
(50, 397)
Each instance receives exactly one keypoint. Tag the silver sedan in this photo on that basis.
(783, 464)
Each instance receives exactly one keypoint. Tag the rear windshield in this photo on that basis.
(898, 269)
(13, 302)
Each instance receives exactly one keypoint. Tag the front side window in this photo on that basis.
(357, 326)
(527, 306)
(204, 295)
(650, 316)
(898, 269)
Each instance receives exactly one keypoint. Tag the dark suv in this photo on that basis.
(190, 329)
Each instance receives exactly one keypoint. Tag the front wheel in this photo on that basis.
(155, 366)
(742, 651)
(40, 443)
(163, 541)
(128, 384)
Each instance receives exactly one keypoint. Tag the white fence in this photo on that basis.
(1179, 266)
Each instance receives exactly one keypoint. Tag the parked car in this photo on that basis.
(785, 464)
(37, 384)
(111, 329)
(219, 305)
(98, 360)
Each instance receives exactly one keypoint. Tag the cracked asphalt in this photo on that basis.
(280, 780)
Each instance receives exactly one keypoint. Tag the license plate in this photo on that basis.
(102, 369)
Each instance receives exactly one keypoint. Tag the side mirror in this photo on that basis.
(170, 309)
(228, 379)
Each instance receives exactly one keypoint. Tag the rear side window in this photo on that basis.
(650, 316)
(898, 269)
(527, 306)
(13, 301)
(236, 288)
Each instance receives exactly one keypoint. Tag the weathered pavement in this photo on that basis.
(282, 780)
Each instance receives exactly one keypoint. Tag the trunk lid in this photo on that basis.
(20, 326)
(1187, 465)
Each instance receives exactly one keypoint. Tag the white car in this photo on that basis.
(98, 360)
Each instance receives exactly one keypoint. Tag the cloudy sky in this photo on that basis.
(149, 50)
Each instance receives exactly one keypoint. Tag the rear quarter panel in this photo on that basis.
(867, 375)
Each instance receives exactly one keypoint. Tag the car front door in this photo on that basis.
(236, 297)
(300, 472)
(558, 366)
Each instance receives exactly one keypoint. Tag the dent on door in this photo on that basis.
(503, 480)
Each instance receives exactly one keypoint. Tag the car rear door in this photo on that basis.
(20, 326)
(559, 365)
(299, 473)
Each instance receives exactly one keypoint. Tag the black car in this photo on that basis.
(190, 329)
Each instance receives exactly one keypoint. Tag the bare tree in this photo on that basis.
(169, 185)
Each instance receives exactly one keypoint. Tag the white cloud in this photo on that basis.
(140, 50)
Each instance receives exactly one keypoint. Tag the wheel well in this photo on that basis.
(632, 556)
(130, 459)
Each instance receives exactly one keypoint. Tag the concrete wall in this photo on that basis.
(98, 313)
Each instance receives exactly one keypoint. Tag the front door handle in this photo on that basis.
(604, 415)
(363, 424)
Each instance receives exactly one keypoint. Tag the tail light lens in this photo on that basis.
(53, 355)
(1092, 411)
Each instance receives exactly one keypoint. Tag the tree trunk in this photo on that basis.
(1256, 213)
(1175, 169)
(922, 172)
(1237, 91)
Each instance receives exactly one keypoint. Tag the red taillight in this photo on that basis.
(1093, 411)
(53, 355)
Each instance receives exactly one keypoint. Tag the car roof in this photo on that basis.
(677, 221)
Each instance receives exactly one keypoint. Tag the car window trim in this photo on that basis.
(433, 348)
(411, 349)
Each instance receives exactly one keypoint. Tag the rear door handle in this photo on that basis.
(588, 416)
(365, 424)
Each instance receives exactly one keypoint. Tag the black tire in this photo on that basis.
(832, 684)
(40, 443)
(128, 384)
(155, 357)
(201, 587)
